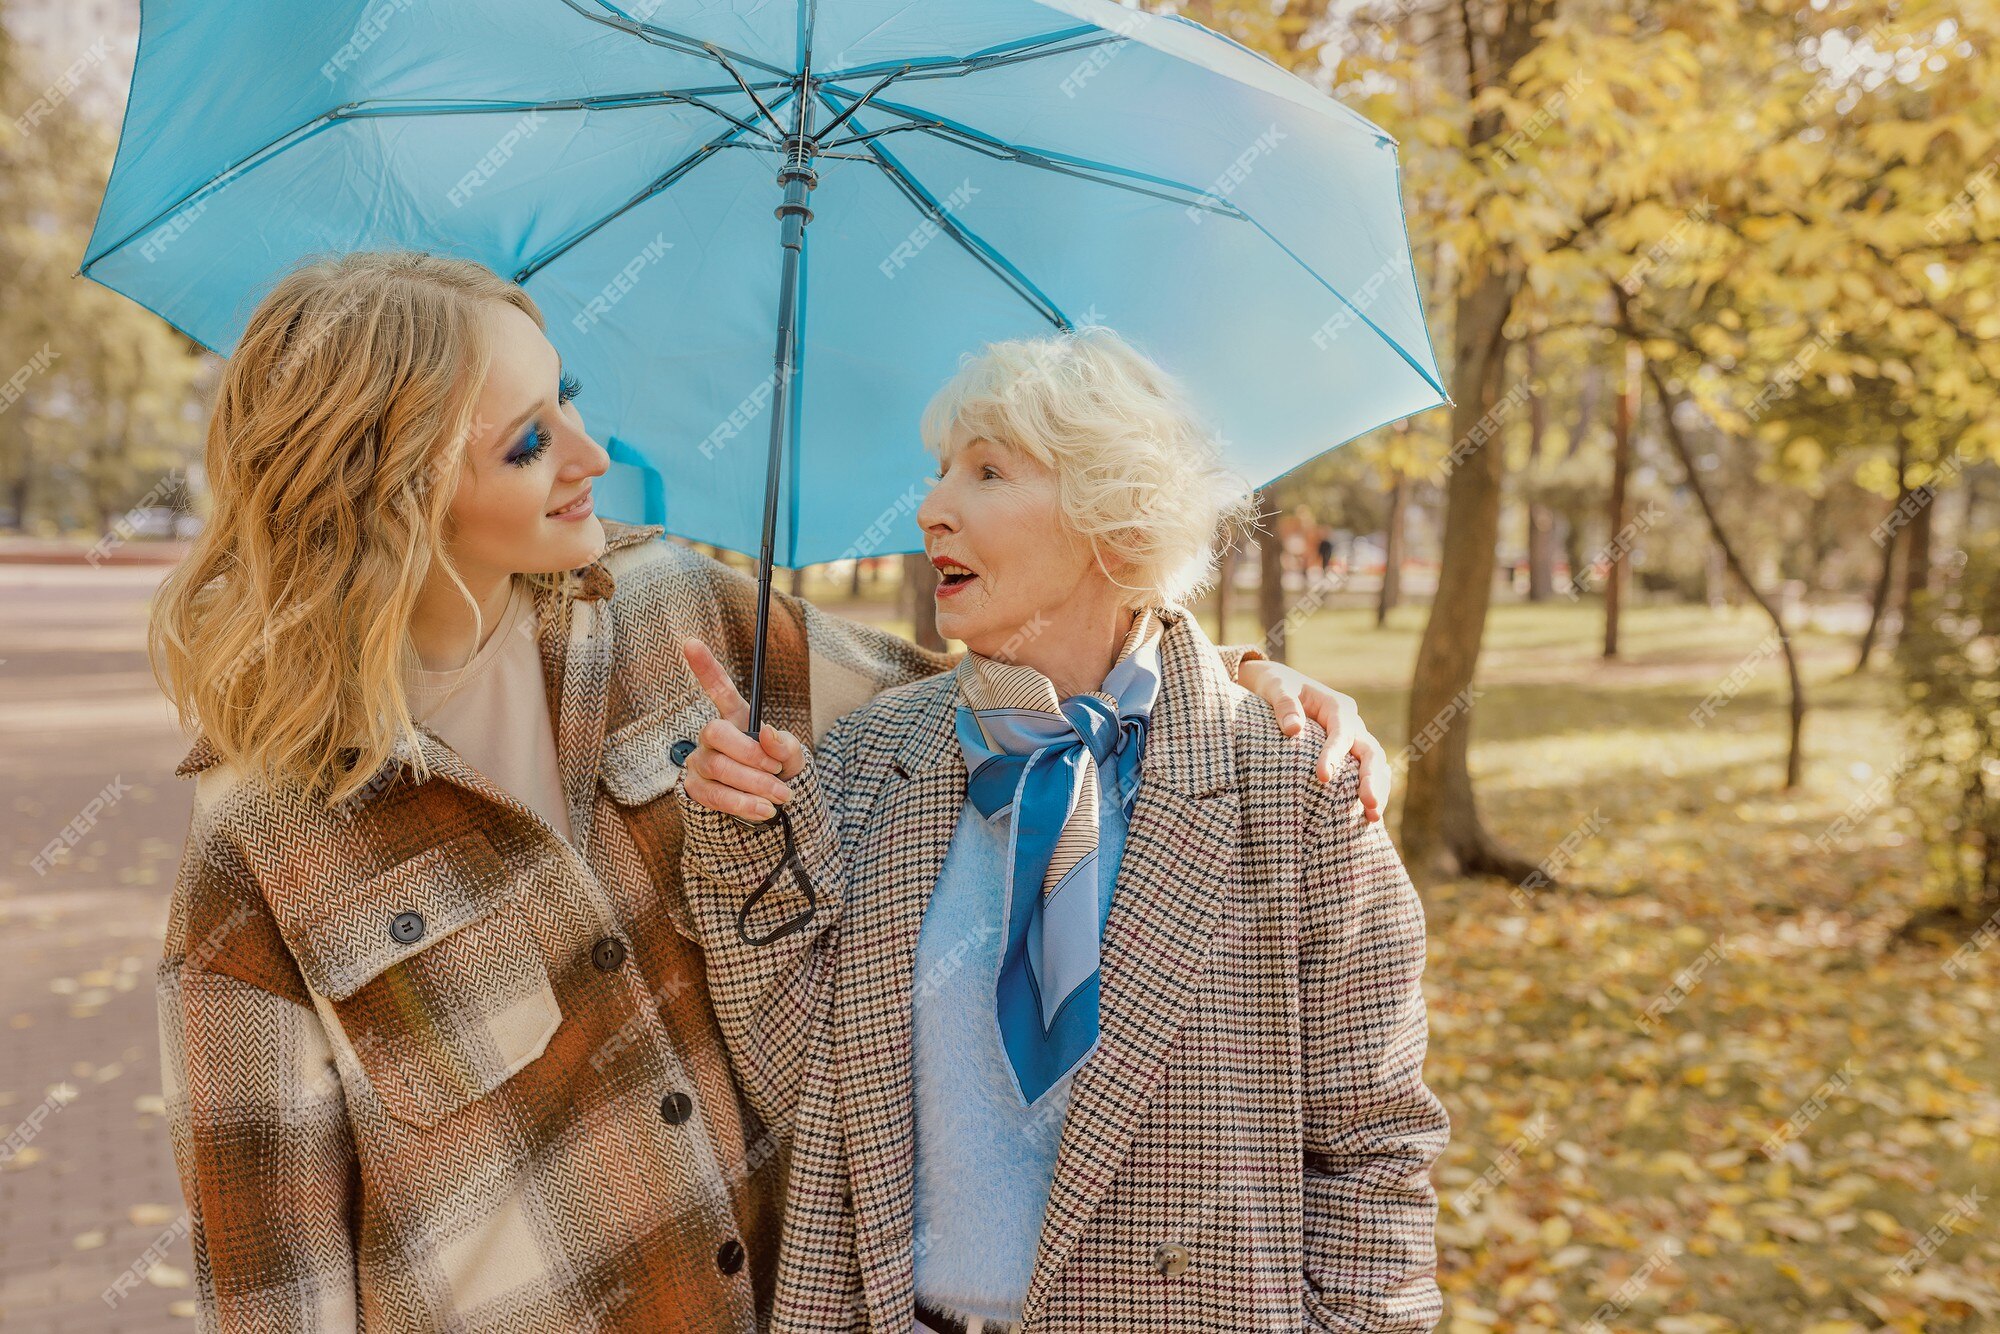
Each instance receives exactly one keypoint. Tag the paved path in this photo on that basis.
(88, 1196)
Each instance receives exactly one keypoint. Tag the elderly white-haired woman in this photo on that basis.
(1108, 1013)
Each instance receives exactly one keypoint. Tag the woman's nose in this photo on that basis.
(591, 460)
(937, 514)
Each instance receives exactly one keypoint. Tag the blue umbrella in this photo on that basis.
(942, 172)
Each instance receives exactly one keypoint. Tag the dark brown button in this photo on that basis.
(407, 927)
(608, 954)
(729, 1257)
(676, 1107)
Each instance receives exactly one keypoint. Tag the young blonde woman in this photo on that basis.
(438, 1049)
(1113, 1017)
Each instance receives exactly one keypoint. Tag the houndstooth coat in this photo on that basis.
(1248, 1148)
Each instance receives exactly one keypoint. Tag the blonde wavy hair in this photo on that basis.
(336, 445)
(1139, 475)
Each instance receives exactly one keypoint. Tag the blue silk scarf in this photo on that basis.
(1037, 757)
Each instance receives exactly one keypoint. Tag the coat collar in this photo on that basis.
(590, 583)
(1179, 859)
(1191, 732)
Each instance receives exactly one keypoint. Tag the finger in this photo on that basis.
(719, 768)
(1291, 714)
(1340, 718)
(727, 738)
(715, 683)
(783, 747)
(1330, 756)
(728, 801)
(1376, 775)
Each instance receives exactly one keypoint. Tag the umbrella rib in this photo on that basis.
(654, 35)
(298, 134)
(971, 242)
(1064, 163)
(843, 116)
(602, 102)
(987, 57)
(1052, 161)
(658, 184)
(1359, 314)
(998, 62)
(363, 111)
(744, 85)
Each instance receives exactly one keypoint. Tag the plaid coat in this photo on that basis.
(430, 1067)
(1249, 1147)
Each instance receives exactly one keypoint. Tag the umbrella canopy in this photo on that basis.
(973, 169)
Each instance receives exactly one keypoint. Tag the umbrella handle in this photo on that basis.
(789, 859)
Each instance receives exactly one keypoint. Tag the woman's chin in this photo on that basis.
(568, 545)
(955, 624)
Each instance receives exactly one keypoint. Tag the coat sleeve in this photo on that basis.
(254, 1105)
(769, 996)
(847, 663)
(1372, 1127)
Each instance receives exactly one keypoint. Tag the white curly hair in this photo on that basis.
(1139, 474)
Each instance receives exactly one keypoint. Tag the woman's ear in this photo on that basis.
(1118, 572)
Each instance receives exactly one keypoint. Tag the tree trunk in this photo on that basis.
(1884, 579)
(1618, 577)
(18, 491)
(1541, 519)
(1441, 829)
(1441, 832)
(1586, 403)
(1795, 748)
(1394, 539)
(920, 584)
(1572, 545)
(1917, 555)
(1270, 582)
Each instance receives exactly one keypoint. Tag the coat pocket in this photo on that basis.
(638, 761)
(437, 978)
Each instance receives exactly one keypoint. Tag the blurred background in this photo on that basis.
(1683, 626)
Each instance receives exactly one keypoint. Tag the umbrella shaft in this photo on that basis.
(798, 177)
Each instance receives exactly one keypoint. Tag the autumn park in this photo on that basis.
(1677, 617)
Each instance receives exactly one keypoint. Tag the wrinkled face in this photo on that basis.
(523, 504)
(1008, 565)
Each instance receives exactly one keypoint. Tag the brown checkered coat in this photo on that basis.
(1249, 1147)
(498, 1125)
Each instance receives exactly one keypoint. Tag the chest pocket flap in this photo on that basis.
(638, 757)
(437, 977)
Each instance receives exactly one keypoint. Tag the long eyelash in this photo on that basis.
(534, 451)
(568, 387)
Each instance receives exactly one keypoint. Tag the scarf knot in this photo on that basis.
(1037, 759)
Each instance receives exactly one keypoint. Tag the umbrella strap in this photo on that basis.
(788, 861)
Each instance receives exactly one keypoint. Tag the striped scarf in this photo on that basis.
(1028, 753)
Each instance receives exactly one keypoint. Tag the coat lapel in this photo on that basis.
(576, 635)
(1179, 858)
(910, 831)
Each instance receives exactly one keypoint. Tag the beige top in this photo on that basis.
(494, 712)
